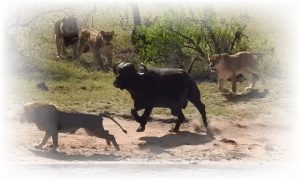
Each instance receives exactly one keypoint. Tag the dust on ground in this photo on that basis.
(259, 136)
(244, 139)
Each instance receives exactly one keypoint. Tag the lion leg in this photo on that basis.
(253, 82)
(44, 141)
(97, 58)
(54, 135)
(256, 74)
(220, 86)
(262, 79)
(233, 83)
(109, 58)
(108, 137)
(79, 49)
(108, 142)
(106, 55)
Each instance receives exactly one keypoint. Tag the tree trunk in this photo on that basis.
(137, 23)
(136, 15)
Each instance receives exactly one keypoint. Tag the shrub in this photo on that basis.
(176, 37)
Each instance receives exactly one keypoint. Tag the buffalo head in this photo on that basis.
(126, 74)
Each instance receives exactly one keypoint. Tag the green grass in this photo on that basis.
(93, 92)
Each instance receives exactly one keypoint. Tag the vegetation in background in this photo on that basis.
(178, 35)
(170, 39)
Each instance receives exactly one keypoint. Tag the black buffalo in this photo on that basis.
(158, 87)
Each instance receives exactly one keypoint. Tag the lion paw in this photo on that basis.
(38, 147)
(224, 90)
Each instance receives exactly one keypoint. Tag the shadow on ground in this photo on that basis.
(254, 94)
(157, 144)
(71, 157)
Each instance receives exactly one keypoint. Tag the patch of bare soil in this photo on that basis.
(257, 139)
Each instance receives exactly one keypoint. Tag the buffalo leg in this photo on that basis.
(135, 114)
(180, 120)
(200, 106)
(143, 119)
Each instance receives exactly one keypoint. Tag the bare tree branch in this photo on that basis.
(210, 32)
(190, 40)
(26, 24)
(87, 17)
(237, 36)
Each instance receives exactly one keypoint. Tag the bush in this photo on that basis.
(176, 37)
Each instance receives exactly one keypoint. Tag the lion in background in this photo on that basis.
(99, 44)
(50, 119)
(228, 67)
(66, 33)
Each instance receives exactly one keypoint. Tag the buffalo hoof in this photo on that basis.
(141, 129)
(175, 130)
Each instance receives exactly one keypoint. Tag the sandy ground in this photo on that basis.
(248, 140)
(248, 148)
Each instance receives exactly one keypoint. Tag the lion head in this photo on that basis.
(107, 36)
(34, 112)
(214, 61)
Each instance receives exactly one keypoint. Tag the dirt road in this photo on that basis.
(259, 139)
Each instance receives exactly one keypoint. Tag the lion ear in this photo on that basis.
(87, 34)
(102, 33)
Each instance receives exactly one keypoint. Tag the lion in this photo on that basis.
(66, 33)
(99, 43)
(50, 119)
(228, 67)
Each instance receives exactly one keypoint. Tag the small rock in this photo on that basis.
(42, 86)
(228, 141)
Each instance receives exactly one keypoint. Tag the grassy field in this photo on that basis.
(93, 92)
(74, 87)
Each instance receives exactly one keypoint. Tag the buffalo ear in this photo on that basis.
(145, 69)
(113, 32)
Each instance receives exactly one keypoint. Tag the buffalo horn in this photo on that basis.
(145, 69)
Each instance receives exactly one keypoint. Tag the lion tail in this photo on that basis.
(111, 118)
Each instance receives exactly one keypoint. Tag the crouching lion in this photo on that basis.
(228, 67)
(99, 44)
(50, 119)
